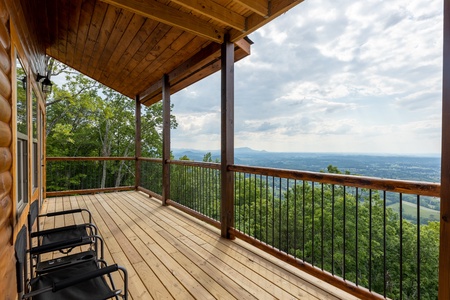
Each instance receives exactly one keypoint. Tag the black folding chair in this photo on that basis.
(62, 239)
(86, 280)
(60, 233)
(20, 248)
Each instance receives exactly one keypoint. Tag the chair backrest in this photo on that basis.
(33, 214)
(20, 248)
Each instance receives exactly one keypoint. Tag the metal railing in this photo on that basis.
(344, 227)
(196, 186)
(364, 235)
(77, 175)
(351, 230)
(151, 175)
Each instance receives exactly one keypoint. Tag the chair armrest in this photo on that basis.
(56, 286)
(64, 228)
(60, 245)
(65, 212)
(77, 279)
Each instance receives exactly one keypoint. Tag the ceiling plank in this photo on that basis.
(215, 11)
(261, 7)
(171, 16)
(255, 21)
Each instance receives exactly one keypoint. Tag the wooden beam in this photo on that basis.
(207, 58)
(261, 7)
(137, 142)
(243, 44)
(197, 61)
(215, 11)
(256, 21)
(444, 238)
(166, 139)
(168, 15)
(227, 138)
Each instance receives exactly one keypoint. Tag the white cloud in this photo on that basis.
(331, 76)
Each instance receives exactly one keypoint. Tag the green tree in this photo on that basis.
(343, 230)
(85, 118)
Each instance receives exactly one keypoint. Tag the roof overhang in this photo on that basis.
(129, 45)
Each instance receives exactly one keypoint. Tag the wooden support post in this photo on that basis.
(137, 143)
(444, 244)
(166, 139)
(227, 138)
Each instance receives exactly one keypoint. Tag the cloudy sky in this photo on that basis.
(330, 76)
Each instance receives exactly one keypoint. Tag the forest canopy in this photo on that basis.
(85, 118)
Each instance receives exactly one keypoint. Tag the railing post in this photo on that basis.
(227, 138)
(166, 139)
(444, 243)
(137, 143)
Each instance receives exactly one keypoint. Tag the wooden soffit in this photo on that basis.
(128, 45)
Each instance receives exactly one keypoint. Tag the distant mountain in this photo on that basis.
(197, 155)
(418, 168)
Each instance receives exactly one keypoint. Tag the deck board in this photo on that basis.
(170, 255)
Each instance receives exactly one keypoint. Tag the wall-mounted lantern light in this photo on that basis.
(46, 83)
(24, 82)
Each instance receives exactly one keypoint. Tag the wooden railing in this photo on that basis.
(83, 175)
(350, 231)
(364, 235)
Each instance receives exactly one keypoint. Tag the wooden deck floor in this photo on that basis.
(170, 255)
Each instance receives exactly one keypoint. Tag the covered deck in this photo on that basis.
(171, 255)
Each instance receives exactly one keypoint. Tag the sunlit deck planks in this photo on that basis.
(170, 255)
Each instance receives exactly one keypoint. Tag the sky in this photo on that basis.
(330, 76)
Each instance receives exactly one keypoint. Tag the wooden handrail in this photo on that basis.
(389, 185)
(190, 163)
(156, 160)
(89, 191)
(88, 158)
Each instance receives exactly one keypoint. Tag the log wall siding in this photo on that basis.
(7, 261)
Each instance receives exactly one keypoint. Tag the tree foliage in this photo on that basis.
(85, 119)
(348, 232)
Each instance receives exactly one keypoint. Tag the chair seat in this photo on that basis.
(96, 288)
(64, 235)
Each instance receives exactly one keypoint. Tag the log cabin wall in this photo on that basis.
(7, 272)
(17, 36)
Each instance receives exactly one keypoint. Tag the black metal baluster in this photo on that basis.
(240, 200)
(356, 237)
(370, 240)
(295, 218)
(279, 217)
(332, 229)
(344, 233)
(384, 245)
(287, 216)
(322, 234)
(254, 215)
(249, 201)
(267, 209)
(273, 211)
(312, 223)
(401, 246)
(418, 246)
(303, 222)
(260, 207)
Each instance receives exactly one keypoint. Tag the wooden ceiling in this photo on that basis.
(128, 45)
